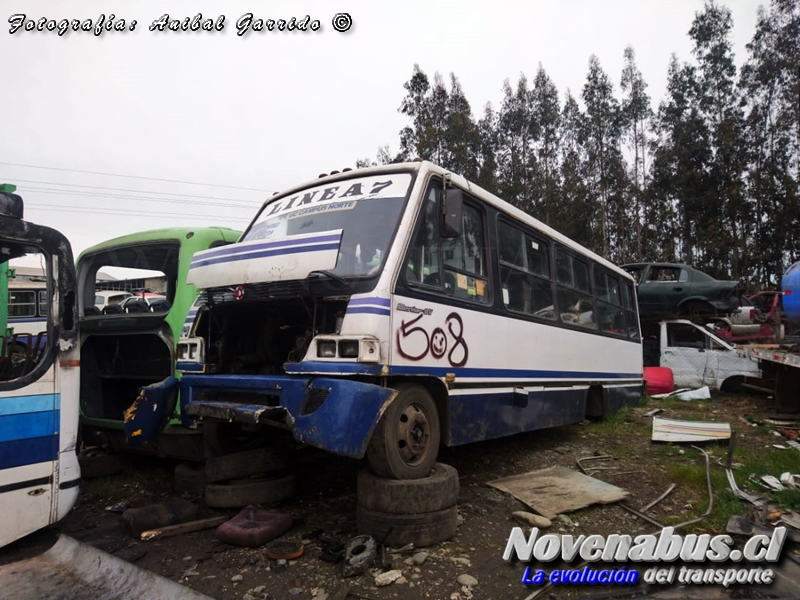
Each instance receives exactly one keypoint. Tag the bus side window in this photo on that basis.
(422, 263)
(43, 303)
(21, 303)
(573, 294)
(524, 272)
(466, 274)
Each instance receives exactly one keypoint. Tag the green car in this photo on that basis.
(676, 290)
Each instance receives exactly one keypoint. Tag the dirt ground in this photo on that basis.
(325, 504)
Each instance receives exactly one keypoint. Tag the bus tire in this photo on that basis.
(436, 492)
(244, 464)
(405, 442)
(243, 492)
(190, 478)
(420, 529)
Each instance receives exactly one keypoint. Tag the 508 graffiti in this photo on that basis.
(415, 342)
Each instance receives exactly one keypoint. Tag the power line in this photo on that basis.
(89, 210)
(232, 187)
(249, 207)
(101, 187)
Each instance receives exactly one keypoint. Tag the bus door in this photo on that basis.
(39, 471)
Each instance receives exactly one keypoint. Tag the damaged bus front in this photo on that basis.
(39, 471)
(128, 338)
(384, 311)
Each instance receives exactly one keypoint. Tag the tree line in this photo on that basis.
(709, 177)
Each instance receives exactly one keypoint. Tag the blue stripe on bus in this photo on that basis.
(237, 249)
(265, 254)
(339, 368)
(28, 452)
(29, 425)
(12, 320)
(371, 310)
(508, 373)
(375, 301)
(14, 405)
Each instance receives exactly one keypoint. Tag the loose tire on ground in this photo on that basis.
(190, 478)
(244, 464)
(242, 492)
(405, 442)
(436, 492)
(421, 529)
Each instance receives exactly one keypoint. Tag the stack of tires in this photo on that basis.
(239, 479)
(404, 496)
(397, 512)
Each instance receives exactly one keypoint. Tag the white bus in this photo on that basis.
(39, 470)
(384, 311)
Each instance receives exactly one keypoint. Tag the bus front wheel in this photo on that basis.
(405, 443)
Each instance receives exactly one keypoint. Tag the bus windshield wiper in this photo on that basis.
(340, 280)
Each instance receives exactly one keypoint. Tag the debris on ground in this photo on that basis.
(687, 394)
(672, 430)
(558, 490)
(532, 519)
(191, 526)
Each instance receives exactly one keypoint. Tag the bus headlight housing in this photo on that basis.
(348, 349)
(326, 349)
(358, 347)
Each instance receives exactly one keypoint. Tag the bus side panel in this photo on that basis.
(509, 375)
(69, 473)
(477, 415)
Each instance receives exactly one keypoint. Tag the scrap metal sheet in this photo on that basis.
(671, 430)
(558, 490)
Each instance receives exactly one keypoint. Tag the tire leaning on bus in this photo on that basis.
(405, 442)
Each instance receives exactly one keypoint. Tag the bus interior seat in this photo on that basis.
(139, 306)
(113, 309)
(92, 311)
(160, 306)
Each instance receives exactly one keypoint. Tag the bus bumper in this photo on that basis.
(337, 415)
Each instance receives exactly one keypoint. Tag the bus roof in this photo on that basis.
(26, 284)
(199, 234)
(424, 167)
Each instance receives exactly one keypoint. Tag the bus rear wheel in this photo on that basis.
(405, 443)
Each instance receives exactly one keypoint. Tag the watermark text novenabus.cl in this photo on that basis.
(664, 547)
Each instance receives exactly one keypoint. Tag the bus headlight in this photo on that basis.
(348, 349)
(326, 349)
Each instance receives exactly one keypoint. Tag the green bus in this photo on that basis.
(134, 303)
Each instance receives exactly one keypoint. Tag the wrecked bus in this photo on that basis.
(384, 311)
(39, 471)
(131, 343)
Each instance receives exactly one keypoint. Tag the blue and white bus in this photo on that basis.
(39, 471)
(386, 311)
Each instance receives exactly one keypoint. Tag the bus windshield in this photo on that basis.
(366, 210)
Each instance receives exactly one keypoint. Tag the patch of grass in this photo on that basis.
(691, 475)
(624, 421)
(789, 499)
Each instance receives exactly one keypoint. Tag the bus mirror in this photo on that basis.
(452, 204)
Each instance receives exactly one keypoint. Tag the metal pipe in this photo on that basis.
(670, 489)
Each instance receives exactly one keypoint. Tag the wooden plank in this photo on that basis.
(189, 527)
(557, 490)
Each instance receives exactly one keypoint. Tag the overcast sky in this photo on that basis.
(268, 110)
